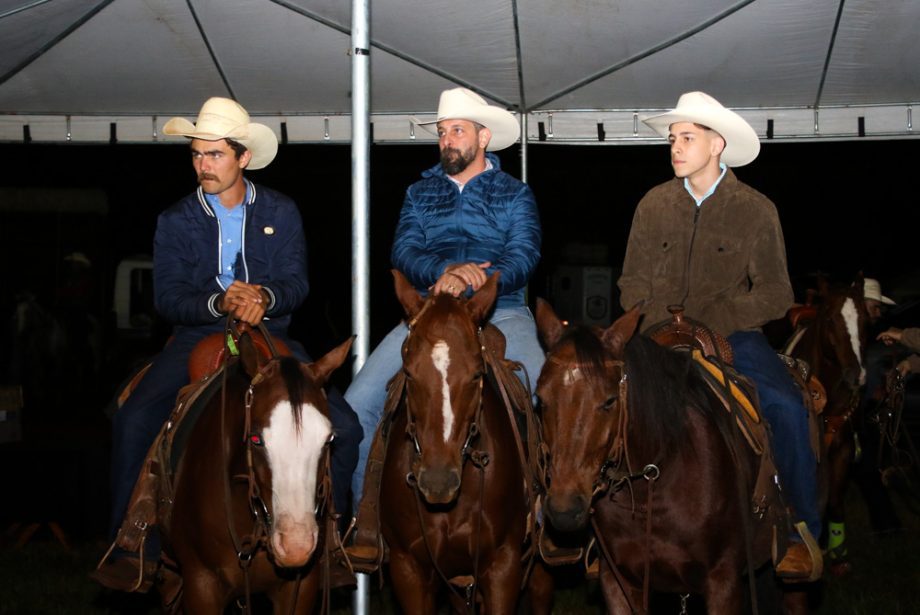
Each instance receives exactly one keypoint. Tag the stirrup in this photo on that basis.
(145, 577)
(364, 558)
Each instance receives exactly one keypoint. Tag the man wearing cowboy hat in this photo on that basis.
(708, 242)
(464, 220)
(872, 294)
(230, 247)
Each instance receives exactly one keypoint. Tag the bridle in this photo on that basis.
(479, 458)
(247, 546)
(616, 469)
(615, 472)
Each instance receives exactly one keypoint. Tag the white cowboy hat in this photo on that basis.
(741, 142)
(464, 104)
(222, 118)
(873, 290)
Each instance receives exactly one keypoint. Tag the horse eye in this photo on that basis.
(256, 439)
(608, 404)
(478, 375)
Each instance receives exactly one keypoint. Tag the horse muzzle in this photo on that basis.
(567, 512)
(293, 542)
(439, 485)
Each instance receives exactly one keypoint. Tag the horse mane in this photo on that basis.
(663, 385)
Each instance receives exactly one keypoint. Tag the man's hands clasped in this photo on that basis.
(245, 302)
(459, 276)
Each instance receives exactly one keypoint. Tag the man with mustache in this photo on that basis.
(230, 248)
(714, 245)
(464, 220)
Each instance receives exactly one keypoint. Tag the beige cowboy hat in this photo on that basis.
(873, 290)
(464, 104)
(222, 118)
(741, 142)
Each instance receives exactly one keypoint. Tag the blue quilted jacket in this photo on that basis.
(186, 259)
(493, 219)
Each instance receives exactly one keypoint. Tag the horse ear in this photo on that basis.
(410, 299)
(332, 360)
(549, 325)
(483, 299)
(621, 331)
(250, 356)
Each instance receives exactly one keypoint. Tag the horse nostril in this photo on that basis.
(567, 513)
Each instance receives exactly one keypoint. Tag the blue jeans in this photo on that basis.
(782, 407)
(367, 392)
(137, 423)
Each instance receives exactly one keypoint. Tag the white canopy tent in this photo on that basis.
(581, 70)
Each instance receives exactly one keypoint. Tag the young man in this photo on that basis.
(708, 242)
(230, 247)
(464, 220)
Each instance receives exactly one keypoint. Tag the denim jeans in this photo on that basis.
(782, 407)
(367, 392)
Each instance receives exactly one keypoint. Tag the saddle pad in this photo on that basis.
(741, 396)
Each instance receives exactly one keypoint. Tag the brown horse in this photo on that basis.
(251, 484)
(641, 449)
(453, 507)
(833, 343)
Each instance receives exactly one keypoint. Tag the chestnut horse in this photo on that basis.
(833, 343)
(251, 483)
(453, 506)
(642, 450)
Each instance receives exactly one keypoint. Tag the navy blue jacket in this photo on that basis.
(186, 259)
(493, 219)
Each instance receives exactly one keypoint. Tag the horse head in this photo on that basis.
(841, 326)
(287, 432)
(445, 371)
(581, 390)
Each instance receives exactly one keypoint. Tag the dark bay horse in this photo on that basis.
(252, 486)
(832, 340)
(453, 507)
(642, 450)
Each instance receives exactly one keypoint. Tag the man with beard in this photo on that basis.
(464, 220)
(231, 247)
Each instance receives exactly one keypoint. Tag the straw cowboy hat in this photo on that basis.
(464, 104)
(222, 118)
(873, 290)
(741, 142)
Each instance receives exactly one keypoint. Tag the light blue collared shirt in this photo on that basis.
(712, 188)
(230, 222)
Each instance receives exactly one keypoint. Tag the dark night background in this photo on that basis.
(845, 207)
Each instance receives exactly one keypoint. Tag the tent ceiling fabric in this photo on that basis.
(69, 69)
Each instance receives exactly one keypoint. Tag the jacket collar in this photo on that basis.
(437, 171)
(250, 190)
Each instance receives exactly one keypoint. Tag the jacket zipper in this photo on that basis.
(696, 217)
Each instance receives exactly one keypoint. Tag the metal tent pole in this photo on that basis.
(360, 199)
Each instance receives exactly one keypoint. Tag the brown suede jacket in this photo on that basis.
(725, 261)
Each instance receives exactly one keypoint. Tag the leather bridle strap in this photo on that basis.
(246, 546)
